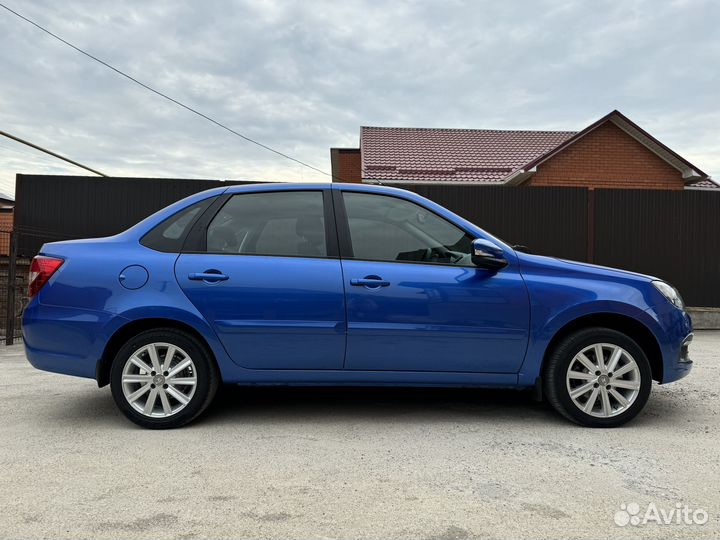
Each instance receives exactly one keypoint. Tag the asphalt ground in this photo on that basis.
(355, 463)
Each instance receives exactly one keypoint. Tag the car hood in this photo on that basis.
(554, 264)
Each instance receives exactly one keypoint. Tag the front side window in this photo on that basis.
(282, 223)
(384, 228)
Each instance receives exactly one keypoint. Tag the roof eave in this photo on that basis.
(689, 172)
(518, 176)
(515, 178)
(434, 182)
(715, 186)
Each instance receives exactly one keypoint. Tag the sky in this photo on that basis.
(304, 76)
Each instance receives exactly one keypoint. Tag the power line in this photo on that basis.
(50, 152)
(173, 100)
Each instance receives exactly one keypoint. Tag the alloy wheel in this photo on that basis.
(159, 380)
(603, 380)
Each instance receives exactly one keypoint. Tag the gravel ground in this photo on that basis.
(352, 463)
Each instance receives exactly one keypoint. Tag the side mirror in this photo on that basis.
(485, 254)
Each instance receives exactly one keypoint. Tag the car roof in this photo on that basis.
(276, 186)
(300, 186)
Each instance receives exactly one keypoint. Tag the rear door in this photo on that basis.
(269, 281)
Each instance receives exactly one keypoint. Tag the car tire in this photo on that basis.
(597, 393)
(180, 387)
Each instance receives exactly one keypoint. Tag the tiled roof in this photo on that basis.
(461, 155)
(704, 184)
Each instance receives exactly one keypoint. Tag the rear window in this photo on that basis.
(169, 235)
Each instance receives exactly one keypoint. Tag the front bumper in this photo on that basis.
(674, 334)
(682, 367)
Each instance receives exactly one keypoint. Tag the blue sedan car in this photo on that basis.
(342, 284)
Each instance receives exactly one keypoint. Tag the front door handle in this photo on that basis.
(209, 276)
(371, 282)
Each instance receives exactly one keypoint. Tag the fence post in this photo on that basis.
(10, 312)
(590, 225)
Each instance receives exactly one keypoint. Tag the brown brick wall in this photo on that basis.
(6, 227)
(345, 164)
(607, 158)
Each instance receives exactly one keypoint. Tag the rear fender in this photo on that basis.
(157, 317)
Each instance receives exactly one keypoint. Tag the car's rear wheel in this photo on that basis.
(163, 378)
(597, 377)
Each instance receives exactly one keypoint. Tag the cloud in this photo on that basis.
(303, 76)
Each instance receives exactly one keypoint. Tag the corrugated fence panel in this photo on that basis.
(63, 207)
(669, 234)
(548, 220)
(674, 235)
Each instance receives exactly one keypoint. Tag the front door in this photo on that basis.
(267, 283)
(415, 301)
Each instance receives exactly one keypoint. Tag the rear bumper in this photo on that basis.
(64, 340)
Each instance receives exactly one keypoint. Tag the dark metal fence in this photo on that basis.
(674, 235)
(13, 289)
(61, 207)
(550, 221)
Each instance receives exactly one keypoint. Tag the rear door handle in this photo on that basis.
(372, 282)
(210, 276)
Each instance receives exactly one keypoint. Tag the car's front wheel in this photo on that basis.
(597, 377)
(163, 378)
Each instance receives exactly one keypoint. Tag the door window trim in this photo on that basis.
(345, 240)
(196, 242)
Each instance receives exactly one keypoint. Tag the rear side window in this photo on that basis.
(281, 223)
(170, 234)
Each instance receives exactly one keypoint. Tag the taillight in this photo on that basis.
(41, 269)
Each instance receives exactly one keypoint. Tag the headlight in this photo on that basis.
(670, 292)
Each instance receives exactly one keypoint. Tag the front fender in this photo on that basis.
(543, 331)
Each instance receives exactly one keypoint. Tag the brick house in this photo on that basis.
(7, 203)
(613, 152)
